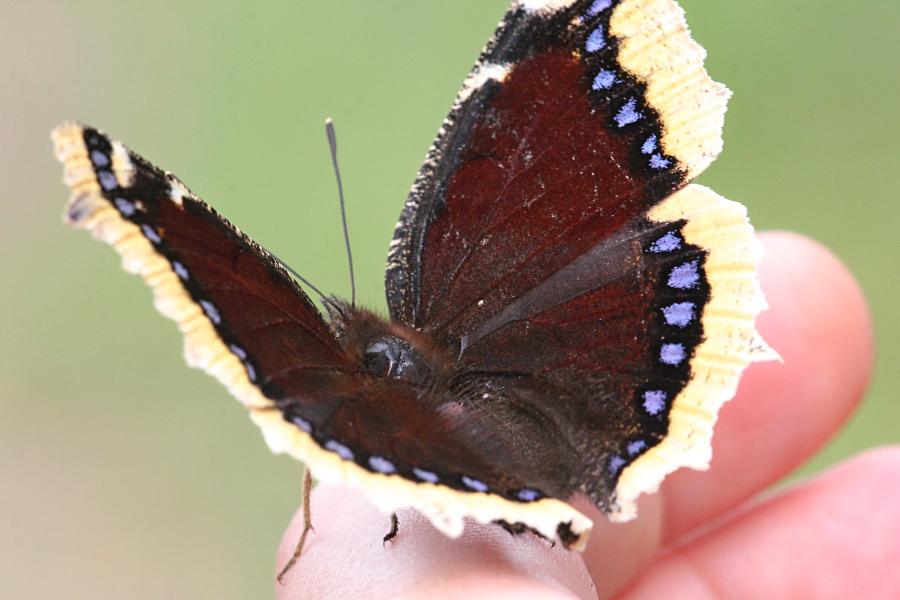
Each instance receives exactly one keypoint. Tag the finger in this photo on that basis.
(837, 536)
(819, 323)
(618, 551)
(345, 558)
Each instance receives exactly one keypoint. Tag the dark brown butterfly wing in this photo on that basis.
(535, 165)
(247, 322)
(546, 235)
(210, 277)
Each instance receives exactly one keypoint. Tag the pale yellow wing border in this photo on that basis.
(203, 349)
(656, 47)
(730, 339)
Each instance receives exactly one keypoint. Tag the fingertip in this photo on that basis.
(819, 323)
(616, 552)
(837, 535)
(878, 468)
(816, 306)
(346, 557)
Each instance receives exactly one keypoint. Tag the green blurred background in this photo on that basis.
(125, 474)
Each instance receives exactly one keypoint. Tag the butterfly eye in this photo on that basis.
(381, 356)
(411, 366)
(396, 358)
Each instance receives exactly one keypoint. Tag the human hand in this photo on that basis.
(705, 534)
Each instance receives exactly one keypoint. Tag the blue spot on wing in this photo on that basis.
(598, 7)
(151, 234)
(636, 447)
(126, 207)
(251, 372)
(181, 270)
(597, 40)
(340, 449)
(426, 475)
(107, 180)
(99, 159)
(672, 354)
(628, 114)
(667, 243)
(685, 276)
(382, 465)
(679, 314)
(658, 162)
(654, 401)
(528, 495)
(474, 484)
(615, 464)
(211, 311)
(302, 423)
(604, 80)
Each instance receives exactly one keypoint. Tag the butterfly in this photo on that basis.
(567, 312)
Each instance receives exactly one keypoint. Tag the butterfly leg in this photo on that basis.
(506, 526)
(307, 525)
(517, 529)
(395, 527)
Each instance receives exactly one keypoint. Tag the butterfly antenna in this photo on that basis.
(325, 299)
(332, 144)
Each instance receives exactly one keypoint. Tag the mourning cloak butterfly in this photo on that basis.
(567, 312)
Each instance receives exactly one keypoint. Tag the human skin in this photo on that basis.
(712, 534)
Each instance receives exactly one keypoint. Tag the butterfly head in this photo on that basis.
(386, 349)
